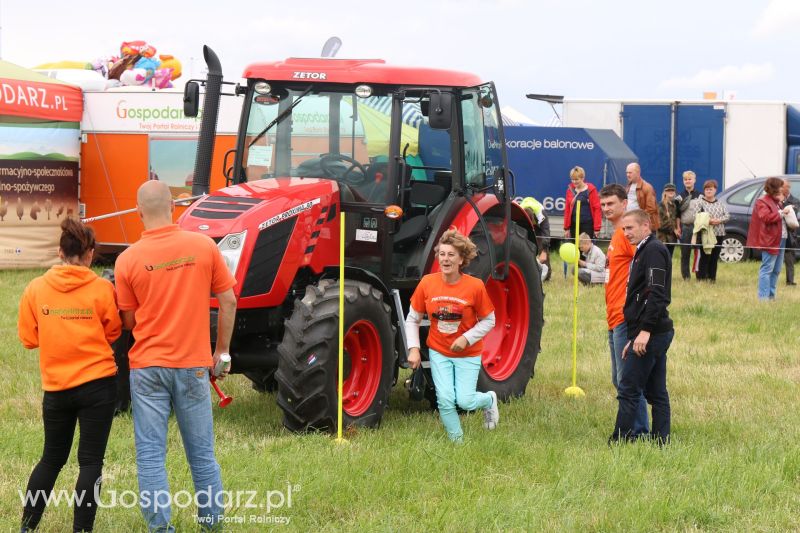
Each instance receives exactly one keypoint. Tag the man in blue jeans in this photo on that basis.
(163, 283)
(613, 204)
(650, 332)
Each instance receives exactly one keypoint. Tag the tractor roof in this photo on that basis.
(374, 71)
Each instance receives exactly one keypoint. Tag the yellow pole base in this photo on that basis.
(574, 392)
(341, 440)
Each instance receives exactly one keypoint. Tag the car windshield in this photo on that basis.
(304, 133)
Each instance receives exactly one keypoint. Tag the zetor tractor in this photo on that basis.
(405, 153)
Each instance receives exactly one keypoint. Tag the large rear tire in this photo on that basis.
(308, 364)
(512, 347)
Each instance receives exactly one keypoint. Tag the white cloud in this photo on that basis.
(780, 16)
(725, 77)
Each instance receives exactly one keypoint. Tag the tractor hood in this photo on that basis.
(269, 229)
(256, 205)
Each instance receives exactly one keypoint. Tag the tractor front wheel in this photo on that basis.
(308, 361)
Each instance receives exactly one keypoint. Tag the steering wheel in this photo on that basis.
(326, 162)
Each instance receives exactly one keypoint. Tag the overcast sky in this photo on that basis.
(577, 48)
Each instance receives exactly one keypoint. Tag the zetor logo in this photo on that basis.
(309, 76)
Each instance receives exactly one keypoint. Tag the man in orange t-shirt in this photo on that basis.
(163, 283)
(613, 203)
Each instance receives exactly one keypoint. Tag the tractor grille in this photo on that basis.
(223, 207)
(267, 255)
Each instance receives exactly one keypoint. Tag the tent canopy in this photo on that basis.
(542, 157)
(25, 93)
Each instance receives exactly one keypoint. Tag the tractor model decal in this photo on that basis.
(288, 214)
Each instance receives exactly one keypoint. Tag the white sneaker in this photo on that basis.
(491, 415)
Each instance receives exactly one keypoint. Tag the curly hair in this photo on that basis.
(773, 186)
(463, 245)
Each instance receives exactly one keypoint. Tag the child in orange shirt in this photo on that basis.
(71, 315)
(461, 314)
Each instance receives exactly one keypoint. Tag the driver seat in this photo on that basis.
(428, 195)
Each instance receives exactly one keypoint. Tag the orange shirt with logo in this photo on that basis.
(452, 310)
(166, 278)
(71, 315)
(618, 260)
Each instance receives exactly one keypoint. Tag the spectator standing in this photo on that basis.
(640, 194)
(461, 314)
(618, 260)
(768, 233)
(650, 333)
(791, 238)
(541, 228)
(592, 269)
(718, 215)
(163, 285)
(71, 315)
(669, 229)
(686, 213)
(581, 191)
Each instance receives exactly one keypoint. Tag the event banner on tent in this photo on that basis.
(38, 189)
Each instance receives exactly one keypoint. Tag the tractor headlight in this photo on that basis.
(231, 247)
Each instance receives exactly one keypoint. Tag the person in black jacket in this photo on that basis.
(650, 332)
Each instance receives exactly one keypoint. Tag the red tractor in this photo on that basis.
(406, 153)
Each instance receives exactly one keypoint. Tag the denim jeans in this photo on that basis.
(617, 339)
(769, 272)
(91, 405)
(456, 379)
(154, 392)
(645, 374)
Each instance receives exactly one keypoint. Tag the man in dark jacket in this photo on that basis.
(650, 332)
(791, 239)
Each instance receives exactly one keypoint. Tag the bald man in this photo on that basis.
(641, 195)
(163, 282)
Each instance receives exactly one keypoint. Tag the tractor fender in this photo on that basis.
(466, 219)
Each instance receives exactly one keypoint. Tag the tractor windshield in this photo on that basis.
(305, 133)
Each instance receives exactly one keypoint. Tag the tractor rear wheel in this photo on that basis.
(308, 361)
(511, 348)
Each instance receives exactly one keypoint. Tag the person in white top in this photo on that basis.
(593, 268)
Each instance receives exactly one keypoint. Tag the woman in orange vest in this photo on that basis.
(71, 315)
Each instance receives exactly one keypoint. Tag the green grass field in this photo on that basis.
(733, 465)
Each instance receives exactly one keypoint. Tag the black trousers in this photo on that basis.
(686, 251)
(788, 261)
(92, 406)
(645, 374)
(707, 267)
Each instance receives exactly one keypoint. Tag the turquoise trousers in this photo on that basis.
(456, 379)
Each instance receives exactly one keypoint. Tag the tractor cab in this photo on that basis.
(415, 144)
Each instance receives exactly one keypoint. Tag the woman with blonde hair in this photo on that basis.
(461, 314)
(581, 191)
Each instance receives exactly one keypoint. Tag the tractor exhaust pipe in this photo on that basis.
(208, 126)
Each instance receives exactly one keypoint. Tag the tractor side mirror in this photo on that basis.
(440, 111)
(191, 99)
(499, 185)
